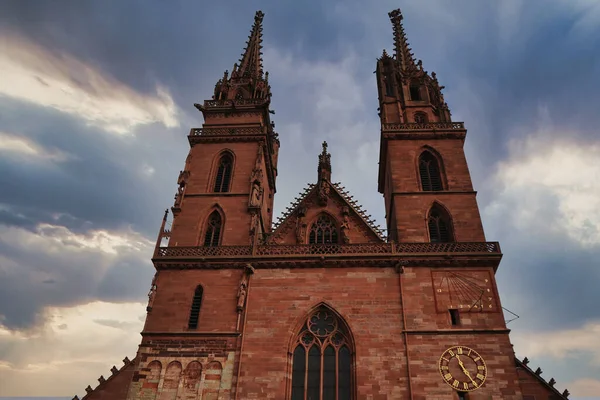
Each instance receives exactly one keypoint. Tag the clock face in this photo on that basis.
(465, 290)
(463, 368)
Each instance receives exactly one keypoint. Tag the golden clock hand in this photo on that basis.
(462, 366)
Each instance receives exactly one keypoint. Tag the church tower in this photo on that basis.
(223, 207)
(320, 305)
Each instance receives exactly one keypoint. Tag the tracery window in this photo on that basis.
(223, 178)
(212, 237)
(195, 309)
(420, 117)
(323, 231)
(322, 359)
(429, 171)
(440, 226)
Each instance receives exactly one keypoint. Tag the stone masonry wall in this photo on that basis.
(184, 368)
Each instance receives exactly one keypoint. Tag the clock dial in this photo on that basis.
(463, 368)
(466, 291)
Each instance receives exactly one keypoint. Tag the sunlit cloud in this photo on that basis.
(59, 80)
(562, 344)
(56, 239)
(97, 335)
(27, 149)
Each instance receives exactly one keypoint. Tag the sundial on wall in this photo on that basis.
(466, 291)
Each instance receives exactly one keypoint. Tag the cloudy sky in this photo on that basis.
(96, 100)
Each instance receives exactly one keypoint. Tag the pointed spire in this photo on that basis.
(324, 164)
(251, 61)
(246, 81)
(403, 53)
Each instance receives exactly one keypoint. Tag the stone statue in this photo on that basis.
(151, 294)
(345, 225)
(256, 194)
(242, 293)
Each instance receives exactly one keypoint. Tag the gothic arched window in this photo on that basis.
(323, 231)
(420, 117)
(212, 237)
(195, 309)
(223, 178)
(440, 225)
(322, 358)
(429, 171)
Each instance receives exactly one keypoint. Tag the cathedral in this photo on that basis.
(320, 305)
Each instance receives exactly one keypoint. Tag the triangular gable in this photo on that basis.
(296, 220)
(534, 377)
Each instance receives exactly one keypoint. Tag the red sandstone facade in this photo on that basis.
(237, 303)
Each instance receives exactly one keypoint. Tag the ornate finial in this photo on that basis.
(324, 171)
(403, 52)
(324, 164)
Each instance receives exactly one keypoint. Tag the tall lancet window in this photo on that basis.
(323, 231)
(440, 225)
(429, 171)
(223, 178)
(212, 236)
(322, 359)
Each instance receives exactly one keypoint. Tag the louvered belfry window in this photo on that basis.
(212, 236)
(195, 310)
(323, 231)
(322, 359)
(440, 229)
(223, 178)
(429, 170)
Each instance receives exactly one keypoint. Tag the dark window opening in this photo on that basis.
(323, 231)
(322, 361)
(195, 310)
(462, 396)
(439, 226)
(213, 230)
(223, 178)
(429, 171)
(389, 86)
(415, 93)
(454, 317)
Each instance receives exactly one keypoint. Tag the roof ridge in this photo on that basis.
(293, 205)
(358, 209)
(102, 380)
(538, 374)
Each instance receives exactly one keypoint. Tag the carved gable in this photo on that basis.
(347, 218)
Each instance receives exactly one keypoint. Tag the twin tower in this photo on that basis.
(322, 306)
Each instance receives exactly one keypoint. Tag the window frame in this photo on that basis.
(444, 216)
(215, 171)
(205, 231)
(194, 316)
(324, 341)
(440, 170)
(334, 231)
